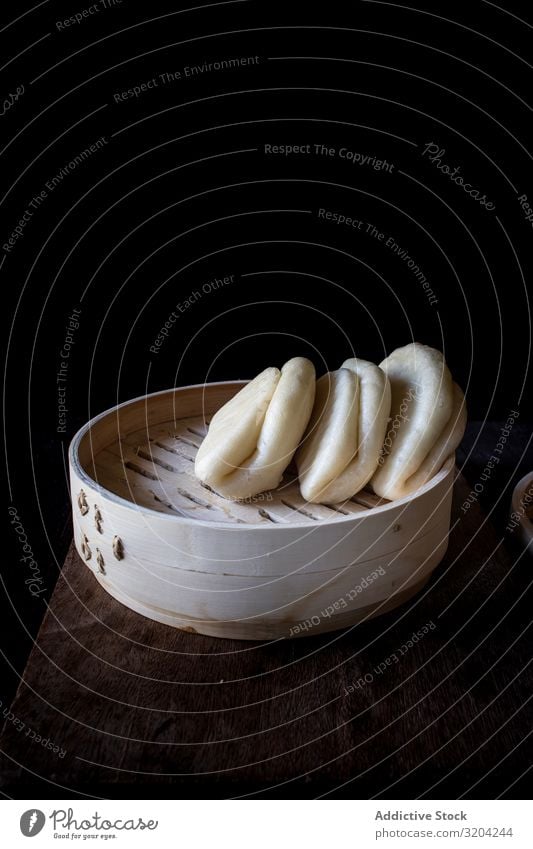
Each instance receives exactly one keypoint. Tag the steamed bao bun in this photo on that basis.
(252, 438)
(341, 450)
(428, 419)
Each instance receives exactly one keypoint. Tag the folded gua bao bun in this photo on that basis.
(252, 439)
(340, 453)
(428, 419)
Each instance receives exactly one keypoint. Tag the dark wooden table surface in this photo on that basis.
(114, 705)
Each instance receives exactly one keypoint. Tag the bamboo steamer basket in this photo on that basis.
(272, 567)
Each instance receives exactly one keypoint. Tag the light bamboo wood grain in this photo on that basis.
(174, 550)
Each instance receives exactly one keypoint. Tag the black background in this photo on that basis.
(183, 193)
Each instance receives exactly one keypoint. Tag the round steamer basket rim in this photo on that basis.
(73, 455)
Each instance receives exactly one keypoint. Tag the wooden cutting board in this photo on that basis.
(429, 700)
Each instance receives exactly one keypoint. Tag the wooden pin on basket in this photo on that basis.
(175, 551)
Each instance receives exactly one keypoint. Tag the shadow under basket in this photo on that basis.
(273, 566)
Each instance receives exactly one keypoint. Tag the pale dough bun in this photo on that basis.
(428, 418)
(341, 450)
(446, 443)
(251, 439)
